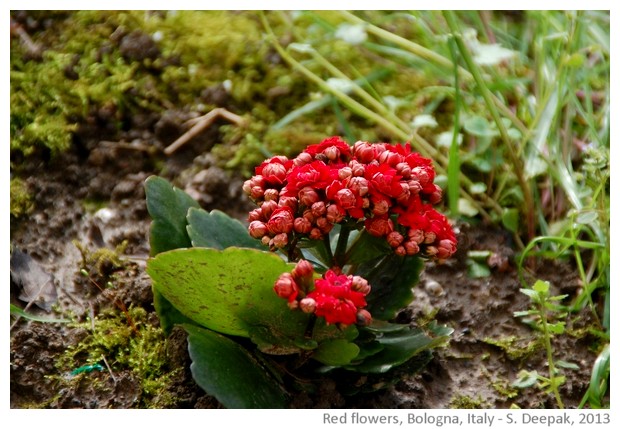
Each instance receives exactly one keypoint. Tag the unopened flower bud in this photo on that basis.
(390, 158)
(445, 249)
(363, 318)
(344, 173)
(345, 198)
(318, 209)
(308, 215)
(435, 196)
(404, 170)
(431, 251)
(381, 207)
(271, 194)
(332, 153)
(421, 175)
(280, 240)
(274, 173)
(414, 186)
(322, 223)
(302, 159)
(303, 271)
(359, 185)
(307, 305)
(360, 284)
(285, 287)
(247, 186)
(395, 238)
(403, 197)
(334, 214)
(288, 202)
(400, 251)
(416, 235)
(257, 229)
(256, 214)
(430, 237)
(357, 168)
(257, 192)
(281, 220)
(364, 151)
(268, 207)
(315, 234)
(308, 196)
(302, 225)
(412, 248)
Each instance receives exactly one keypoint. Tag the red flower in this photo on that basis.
(316, 175)
(383, 179)
(274, 170)
(335, 300)
(334, 148)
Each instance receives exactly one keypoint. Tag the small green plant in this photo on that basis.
(329, 257)
(545, 316)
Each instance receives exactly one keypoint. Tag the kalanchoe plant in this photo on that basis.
(339, 235)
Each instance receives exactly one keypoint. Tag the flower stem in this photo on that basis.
(341, 248)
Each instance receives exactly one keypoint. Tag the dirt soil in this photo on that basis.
(93, 195)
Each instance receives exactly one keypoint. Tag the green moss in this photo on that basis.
(515, 348)
(21, 200)
(142, 352)
(467, 402)
(103, 261)
(504, 388)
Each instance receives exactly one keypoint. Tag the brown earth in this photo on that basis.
(475, 369)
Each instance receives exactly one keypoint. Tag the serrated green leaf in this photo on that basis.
(217, 230)
(168, 207)
(227, 371)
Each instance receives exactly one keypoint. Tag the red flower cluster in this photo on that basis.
(386, 188)
(336, 297)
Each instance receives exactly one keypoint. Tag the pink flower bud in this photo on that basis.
(404, 170)
(274, 172)
(332, 153)
(359, 185)
(344, 173)
(403, 197)
(303, 270)
(345, 198)
(435, 196)
(395, 238)
(257, 192)
(390, 158)
(268, 207)
(421, 174)
(271, 194)
(308, 215)
(334, 214)
(318, 209)
(308, 196)
(315, 234)
(322, 223)
(360, 284)
(446, 248)
(400, 251)
(290, 202)
(281, 221)
(285, 287)
(416, 235)
(257, 229)
(430, 237)
(293, 304)
(357, 168)
(256, 214)
(307, 305)
(257, 180)
(363, 318)
(364, 152)
(414, 186)
(302, 225)
(431, 251)
(303, 159)
(280, 240)
(411, 247)
(247, 186)
(266, 240)
(381, 207)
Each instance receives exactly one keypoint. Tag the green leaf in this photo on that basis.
(168, 314)
(398, 347)
(525, 379)
(366, 248)
(510, 219)
(168, 208)
(477, 270)
(541, 287)
(336, 352)
(566, 365)
(392, 281)
(479, 126)
(227, 371)
(231, 291)
(556, 328)
(218, 230)
(15, 310)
